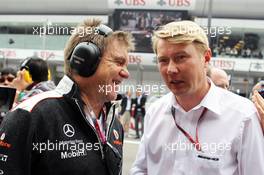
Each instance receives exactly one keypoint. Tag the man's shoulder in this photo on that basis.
(33, 101)
(237, 103)
(161, 103)
(235, 98)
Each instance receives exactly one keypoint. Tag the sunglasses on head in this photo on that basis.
(8, 78)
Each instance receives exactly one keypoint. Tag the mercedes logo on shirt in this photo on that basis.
(68, 130)
(2, 136)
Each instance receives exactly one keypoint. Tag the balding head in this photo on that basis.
(219, 77)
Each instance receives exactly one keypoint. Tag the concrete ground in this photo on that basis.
(129, 153)
(130, 148)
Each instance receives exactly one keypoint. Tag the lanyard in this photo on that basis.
(196, 141)
(97, 127)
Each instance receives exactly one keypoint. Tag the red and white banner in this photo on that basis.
(152, 4)
(24, 53)
(142, 59)
(223, 64)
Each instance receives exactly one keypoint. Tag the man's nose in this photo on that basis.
(172, 67)
(124, 73)
(6, 82)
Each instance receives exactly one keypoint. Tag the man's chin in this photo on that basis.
(111, 96)
(177, 92)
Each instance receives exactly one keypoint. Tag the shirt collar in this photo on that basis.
(210, 100)
(66, 85)
(68, 88)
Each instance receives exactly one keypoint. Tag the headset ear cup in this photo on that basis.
(86, 56)
(49, 75)
(27, 77)
(85, 59)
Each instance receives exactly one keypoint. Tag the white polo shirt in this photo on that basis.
(229, 133)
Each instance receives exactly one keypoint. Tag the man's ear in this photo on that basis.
(208, 55)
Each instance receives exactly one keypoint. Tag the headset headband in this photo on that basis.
(24, 64)
(102, 30)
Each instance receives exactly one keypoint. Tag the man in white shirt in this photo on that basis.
(198, 128)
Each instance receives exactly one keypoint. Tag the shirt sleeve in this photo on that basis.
(15, 143)
(140, 165)
(251, 154)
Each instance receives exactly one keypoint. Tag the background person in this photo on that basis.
(259, 101)
(219, 77)
(258, 86)
(7, 75)
(32, 78)
(139, 112)
(126, 107)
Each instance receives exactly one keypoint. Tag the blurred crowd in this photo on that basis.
(133, 108)
(234, 52)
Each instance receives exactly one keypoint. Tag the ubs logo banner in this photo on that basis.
(152, 4)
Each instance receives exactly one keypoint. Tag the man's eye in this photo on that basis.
(162, 60)
(179, 57)
(120, 63)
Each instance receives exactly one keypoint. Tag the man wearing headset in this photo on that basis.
(72, 130)
(32, 78)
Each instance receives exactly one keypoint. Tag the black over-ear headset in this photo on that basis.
(86, 56)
